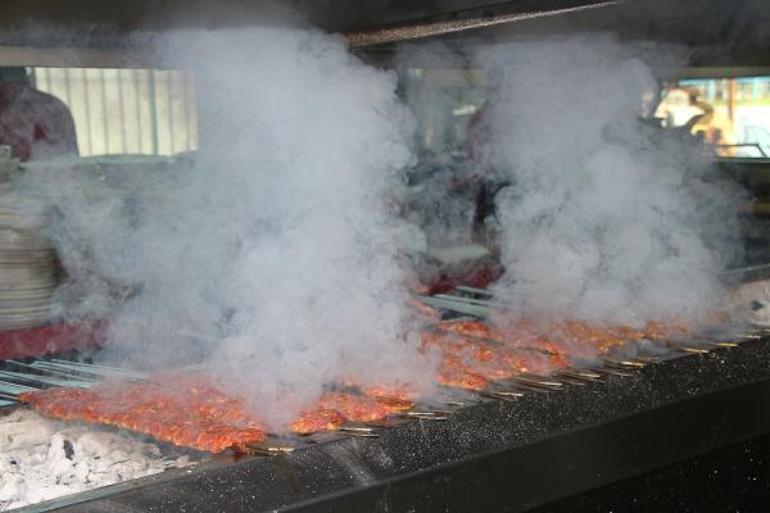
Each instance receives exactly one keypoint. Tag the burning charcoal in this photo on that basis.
(12, 489)
(91, 444)
(118, 456)
(151, 450)
(7, 465)
(45, 493)
(56, 459)
(43, 459)
(81, 471)
(69, 452)
(24, 434)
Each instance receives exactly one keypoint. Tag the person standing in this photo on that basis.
(36, 125)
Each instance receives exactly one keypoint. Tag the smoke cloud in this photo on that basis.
(269, 256)
(609, 219)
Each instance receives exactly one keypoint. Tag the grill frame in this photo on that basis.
(493, 456)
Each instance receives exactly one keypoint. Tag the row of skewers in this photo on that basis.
(475, 361)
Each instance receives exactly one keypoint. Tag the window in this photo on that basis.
(444, 102)
(125, 111)
(732, 114)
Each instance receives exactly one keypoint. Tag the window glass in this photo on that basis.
(125, 111)
(733, 114)
(444, 102)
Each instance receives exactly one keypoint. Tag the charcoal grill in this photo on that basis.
(490, 456)
(545, 440)
(535, 449)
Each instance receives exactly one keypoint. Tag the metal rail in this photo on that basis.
(439, 28)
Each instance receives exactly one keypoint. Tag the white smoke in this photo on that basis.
(608, 220)
(271, 255)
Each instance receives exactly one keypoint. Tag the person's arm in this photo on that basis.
(53, 127)
(61, 135)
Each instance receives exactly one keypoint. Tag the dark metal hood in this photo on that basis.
(697, 22)
(51, 32)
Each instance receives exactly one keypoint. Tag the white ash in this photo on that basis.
(41, 459)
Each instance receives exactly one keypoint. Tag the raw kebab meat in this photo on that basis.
(187, 410)
(334, 409)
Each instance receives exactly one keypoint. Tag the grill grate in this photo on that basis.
(17, 377)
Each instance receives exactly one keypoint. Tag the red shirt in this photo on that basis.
(34, 124)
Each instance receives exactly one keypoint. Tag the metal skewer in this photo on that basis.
(726, 344)
(614, 372)
(118, 370)
(69, 370)
(454, 404)
(455, 306)
(49, 372)
(474, 290)
(270, 450)
(471, 301)
(15, 388)
(584, 375)
(358, 434)
(625, 363)
(502, 395)
(356, 429)
(9, 398)
(45, 380)
(689, 349)
(537, 381)
(424, 415)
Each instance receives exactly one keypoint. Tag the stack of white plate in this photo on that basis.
(28, 273)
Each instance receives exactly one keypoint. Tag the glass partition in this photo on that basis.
(125, 111)
(732, 114)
